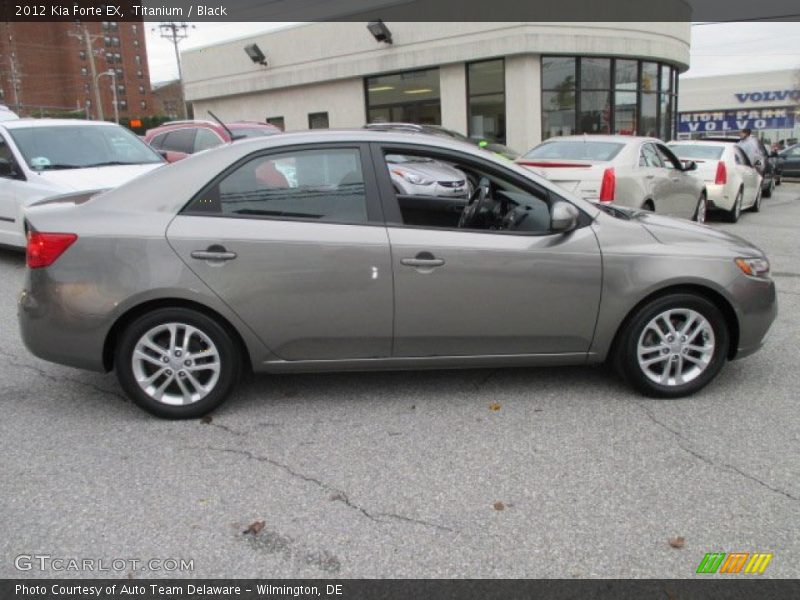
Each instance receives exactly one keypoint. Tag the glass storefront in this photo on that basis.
(486, 94)
(597, 95)
(408, 97)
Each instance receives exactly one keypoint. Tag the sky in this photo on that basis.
(717, 49)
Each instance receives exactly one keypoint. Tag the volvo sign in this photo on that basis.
(771, 96)
(722, 121)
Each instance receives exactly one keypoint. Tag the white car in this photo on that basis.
(732, 183)
(636, 172)
(40, 158)
(6, 114)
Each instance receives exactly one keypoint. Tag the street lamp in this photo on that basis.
(113, 75)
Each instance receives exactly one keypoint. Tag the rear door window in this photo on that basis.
(180, 140)
(206, 139)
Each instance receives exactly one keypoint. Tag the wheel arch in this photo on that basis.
(134, 312)
(717, 299)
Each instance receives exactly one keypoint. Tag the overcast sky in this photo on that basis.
(717, 49)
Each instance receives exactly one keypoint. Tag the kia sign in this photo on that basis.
(773, 96)
(721, 121)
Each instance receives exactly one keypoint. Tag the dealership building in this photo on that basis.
(765, 102)
(517, 83)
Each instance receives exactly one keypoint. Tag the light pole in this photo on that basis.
(175, 32)
(113, 75)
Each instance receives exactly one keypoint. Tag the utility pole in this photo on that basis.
(83, 34)
(176, 32)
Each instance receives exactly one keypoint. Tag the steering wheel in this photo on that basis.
(473, 207)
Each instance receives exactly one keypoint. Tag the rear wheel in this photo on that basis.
(702, 210)
(770, 188)
(757, 204)
(732, 216)
(649, 206)
(673, 346)
(176, 363)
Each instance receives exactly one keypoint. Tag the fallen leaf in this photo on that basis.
(339, 497)
(499, 505)
(677, 542)
(207, 419)
(254, 528)
(494, 406)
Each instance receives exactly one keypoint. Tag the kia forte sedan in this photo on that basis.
(183, 280)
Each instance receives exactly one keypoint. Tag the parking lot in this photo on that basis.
(486, 473)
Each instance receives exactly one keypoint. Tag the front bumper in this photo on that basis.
(756, 306)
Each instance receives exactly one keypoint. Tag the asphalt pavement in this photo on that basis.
(559, 472)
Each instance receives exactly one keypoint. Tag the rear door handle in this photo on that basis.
(214, 253)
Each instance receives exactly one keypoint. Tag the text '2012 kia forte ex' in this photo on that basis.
(296, 253)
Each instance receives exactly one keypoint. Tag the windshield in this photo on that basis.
(700, 152)
(576, 150)
(251, 132)
(81, 146)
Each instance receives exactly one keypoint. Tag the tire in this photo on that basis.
(648, 206)
(701, 212)
(190, 388)
(706, 324)
(777, 180)
(732, 216)
(757, 204)
(767, 193)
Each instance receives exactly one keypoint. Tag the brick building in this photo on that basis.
(167, 98)
(45, 68)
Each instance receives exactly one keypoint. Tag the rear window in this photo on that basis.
(252, 132)
(576, 150)
(699, 152)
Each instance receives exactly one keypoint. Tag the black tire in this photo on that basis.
(767, 193)
(626, 357)
(700, 216)
(229, 361)
(648, 206)
(777, 180)
(732, 216)
(757, 204)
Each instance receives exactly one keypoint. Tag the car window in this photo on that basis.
(667, 158)
(433, 192)
(7, 155)
(206, 139)
(697, 152)
(180, 140)
(51, 147)
(649, 157)
(158, 140)
(794, 151)
(576, 150)
(317, 185)
(741, 157)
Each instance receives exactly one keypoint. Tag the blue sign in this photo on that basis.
(724, 121)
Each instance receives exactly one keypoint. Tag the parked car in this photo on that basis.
(178, 139)
(6, 114)
(790, 161)
(732, 183)
(180, 280)
(636, 172)
(486, 144)
(47, 157)
(418, 176)
(769, 170)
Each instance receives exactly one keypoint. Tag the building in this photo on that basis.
(768, 103)
(45, 68)
(167, 98)
(517, 83)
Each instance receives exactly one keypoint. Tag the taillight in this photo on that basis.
(609, 185)
(721, 177)
(44, 248)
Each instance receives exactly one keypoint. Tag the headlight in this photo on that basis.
(412, 177)
(754, 267)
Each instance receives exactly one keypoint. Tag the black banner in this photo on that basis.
(399, 10)
(713, 588)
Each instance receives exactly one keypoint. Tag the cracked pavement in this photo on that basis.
(397, 474)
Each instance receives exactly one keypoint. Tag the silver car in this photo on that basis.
(637, 172)
(419, 176)
(182, 280)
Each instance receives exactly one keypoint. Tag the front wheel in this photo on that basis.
(673, 346)
(176, 363)
(701, 210)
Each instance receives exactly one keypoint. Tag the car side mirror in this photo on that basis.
(7, 169)
(690, 165)
(563, 217)
(757, 163)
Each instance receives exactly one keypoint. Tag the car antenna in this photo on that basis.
(218, 120)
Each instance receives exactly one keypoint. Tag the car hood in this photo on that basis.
(95, 178)
(671, 231)
(431, 170)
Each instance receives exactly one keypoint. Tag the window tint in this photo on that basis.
(158, 141)
(316, 185)
(699, 152)
(576, 150)
(649, 157)
(206, 139)
(6, 154)
(667, 158)
(180, 140)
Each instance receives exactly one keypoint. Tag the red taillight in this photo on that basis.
(609, 185)
(44, 248)
(722, 174)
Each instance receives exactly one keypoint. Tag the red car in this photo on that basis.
(178, 139)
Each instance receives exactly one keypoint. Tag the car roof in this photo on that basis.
(704, 142)
(620, 139)
(25, 123)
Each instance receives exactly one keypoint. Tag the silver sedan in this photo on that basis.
(183, 279)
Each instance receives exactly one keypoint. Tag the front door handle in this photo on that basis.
(424, 260)
(214, 253)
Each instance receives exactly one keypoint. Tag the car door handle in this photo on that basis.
(423, 259)
(649, 176)
(213, 254)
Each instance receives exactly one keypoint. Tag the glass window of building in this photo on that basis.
(278, 122)
(486, 91)
(318, 120)
(597, 95)
(409, 97)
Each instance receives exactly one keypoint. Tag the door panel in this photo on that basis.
(494, 293)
